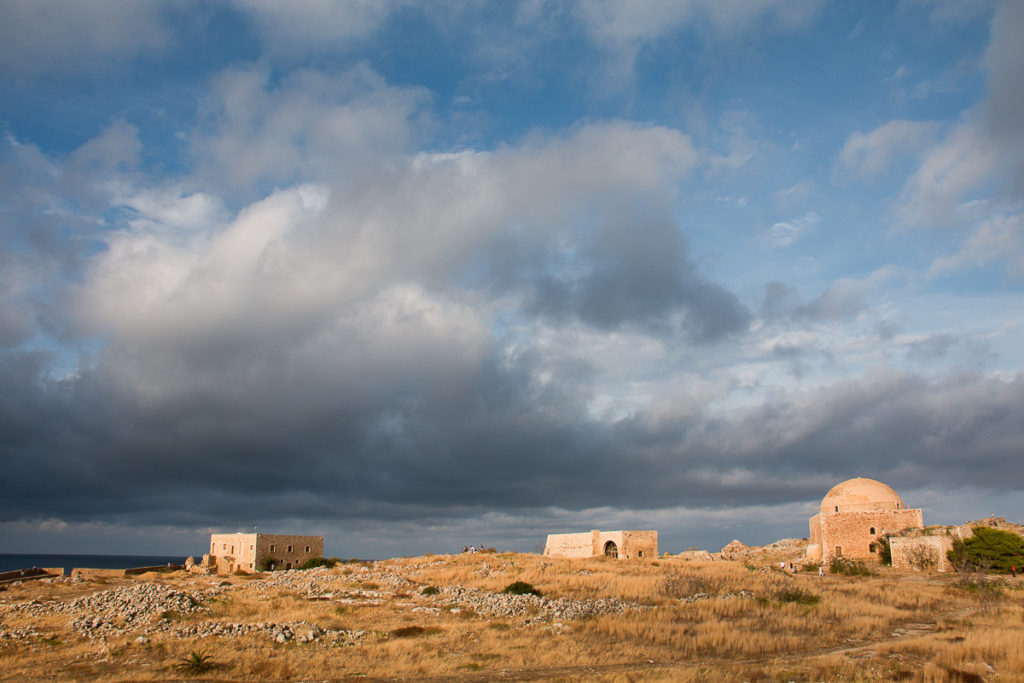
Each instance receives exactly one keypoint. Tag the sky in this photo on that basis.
(414, 275)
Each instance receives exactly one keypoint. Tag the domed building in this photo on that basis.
(852, 517)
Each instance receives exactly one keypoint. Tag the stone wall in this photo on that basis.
(921, 553)
(627, 544)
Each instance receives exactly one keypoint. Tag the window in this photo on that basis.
(250, 546)
(639, 553)
(232, 550)
(223, 546)
(837, 508)
(871, 548)
(872, 530)
(273, 547)
(307, 548)
(289, 550)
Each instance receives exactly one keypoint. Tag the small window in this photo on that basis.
(639, 553)
(307, 548)
(871, 548)
(872, 530)
(273, 547)
(837, 508)
(232, 550)
(289, 550)
(250, 546)
(250, 565)
(223, 546)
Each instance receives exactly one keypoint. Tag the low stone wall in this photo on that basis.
(87, 573)
(921, 553)
(30, 574)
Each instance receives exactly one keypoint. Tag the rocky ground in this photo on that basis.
(145, 610)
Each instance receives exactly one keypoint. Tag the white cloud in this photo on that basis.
(785, 233)
(867, 154)
(998, 240)
(301, 26)
(963, 162)
(634, 21)
(312, 125)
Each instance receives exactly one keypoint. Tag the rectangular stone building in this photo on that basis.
(246, 552)
(623, 545)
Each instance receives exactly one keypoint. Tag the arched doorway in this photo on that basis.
(610, 549)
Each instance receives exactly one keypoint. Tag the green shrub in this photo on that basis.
(884, 549)
(988, 550)
(196, 661)
(315, 562)
(430, 590)
(782, 591)
(521, 588)
(268, 564)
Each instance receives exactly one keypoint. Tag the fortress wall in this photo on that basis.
(921, 553)
(637, 544)
(569, 545)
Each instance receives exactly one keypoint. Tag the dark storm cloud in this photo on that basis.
(640, 274)
(426, 437)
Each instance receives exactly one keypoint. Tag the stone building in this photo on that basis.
(623, 545)
(246, 552)
(852, 517)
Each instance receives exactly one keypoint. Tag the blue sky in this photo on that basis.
(414, 275)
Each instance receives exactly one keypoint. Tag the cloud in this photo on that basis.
(623, 22)
(254, 136)
(844, 299)
(785, 233)
(869, 154)
(999, 239)
(1004, 107)
(52, 36)
(307, 26)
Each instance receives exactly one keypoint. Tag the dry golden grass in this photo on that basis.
(703, 621)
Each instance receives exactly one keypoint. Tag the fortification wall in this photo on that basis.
(569, 545)
(921, 553)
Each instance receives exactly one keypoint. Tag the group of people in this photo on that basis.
(472, 548)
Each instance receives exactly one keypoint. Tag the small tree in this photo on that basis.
(991, 549)
(268, 564)
(884, 549)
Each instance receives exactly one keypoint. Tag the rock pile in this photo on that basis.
(502, 605)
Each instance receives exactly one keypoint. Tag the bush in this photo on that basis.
(521, 588)
(780, 590)
(268, 564)
(196, 661)
(848, 567)
(315, 562)
(884, 549)
(430, 590)
(988, 550)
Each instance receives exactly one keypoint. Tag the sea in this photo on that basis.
(11, 562)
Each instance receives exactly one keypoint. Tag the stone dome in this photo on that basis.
(860, 495)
